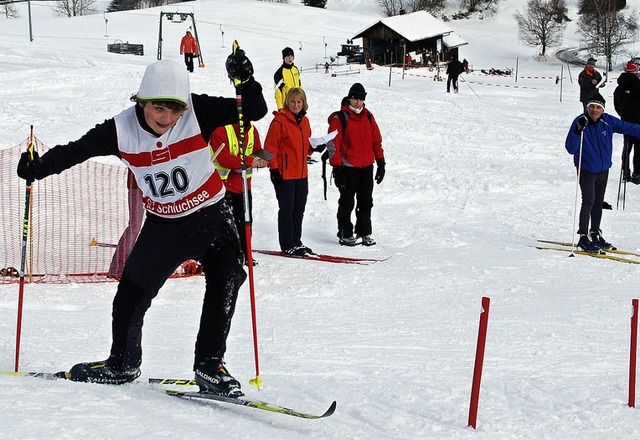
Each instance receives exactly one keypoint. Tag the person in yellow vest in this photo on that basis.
(229, 166)
(286, 77)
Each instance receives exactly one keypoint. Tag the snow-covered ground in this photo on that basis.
(473, 179)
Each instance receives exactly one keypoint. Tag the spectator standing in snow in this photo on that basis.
(229, 166)
(588, 80)
(590, 141)
(189, 47)
(454, 69)
(163, 139)
(288, 141)
(286, 77)
(352, 153)
(626, 100)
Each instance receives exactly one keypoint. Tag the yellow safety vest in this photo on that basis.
(234, 150)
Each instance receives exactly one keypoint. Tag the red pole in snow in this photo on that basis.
(633, 353)
(477, 371)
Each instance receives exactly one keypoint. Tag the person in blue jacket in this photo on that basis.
(590, 140)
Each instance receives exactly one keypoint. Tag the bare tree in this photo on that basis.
(392, 7)
(538, 25)
(73, 8)
(431, 6)
(9, 11)
(488, 6)
(605, 28)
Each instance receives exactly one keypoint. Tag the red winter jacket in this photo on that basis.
(188, 45)
(234, 163)
(360, 144)
(289, 142)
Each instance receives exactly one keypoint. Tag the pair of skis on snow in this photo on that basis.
(609, 254)
(196, 395)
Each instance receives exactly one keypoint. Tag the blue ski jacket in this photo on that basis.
(597, 144)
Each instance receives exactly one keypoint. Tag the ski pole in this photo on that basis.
(23, 259)
(257, 382)
(575, 204)
(474, 92)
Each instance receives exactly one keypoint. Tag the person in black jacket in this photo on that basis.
(588, 81)
(454, 69)
(163, 140)
(626, 100)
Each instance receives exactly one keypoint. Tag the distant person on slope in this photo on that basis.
(454, 69)
(163, 139)
(352, 153)
(588, 79)
(286, 77)
(189, 47)
(626, 100)
(594, 130)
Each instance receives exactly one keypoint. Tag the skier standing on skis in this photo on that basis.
(229, 166)
(590, 140)
(163, 139)
(352, 153)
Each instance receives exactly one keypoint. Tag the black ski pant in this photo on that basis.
(236, 202)
(358, 184)
(209, 236)
(452, 79)
(188, 60)
(292, 200)
(593, 187)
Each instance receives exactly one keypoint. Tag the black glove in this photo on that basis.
(338, 177)
(276, 177)
(29, 169)
(379, 171)
(319, 148)
(581, 123)
(239, 68)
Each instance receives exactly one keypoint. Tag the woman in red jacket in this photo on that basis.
(288, 140)
(357, 145)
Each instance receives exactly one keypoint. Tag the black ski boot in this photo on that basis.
(106, 372)
(213, 377)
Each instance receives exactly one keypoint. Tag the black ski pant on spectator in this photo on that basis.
(188, 60)
(630, 144)
(593, 187)
(209, 236)
(292, 200)
(358, 183)
(452, 79)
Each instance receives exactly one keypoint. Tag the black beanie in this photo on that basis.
(357, 91)
(286, 52)
(597, 100)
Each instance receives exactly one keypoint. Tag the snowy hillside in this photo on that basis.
(473, 180)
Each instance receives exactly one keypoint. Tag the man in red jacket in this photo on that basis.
(354, 149)
(189, 47)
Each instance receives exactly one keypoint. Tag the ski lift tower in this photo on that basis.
(179, 17)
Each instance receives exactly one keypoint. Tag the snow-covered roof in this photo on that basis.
(417, 26)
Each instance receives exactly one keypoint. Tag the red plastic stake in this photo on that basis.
(633, 353)
(477, 371)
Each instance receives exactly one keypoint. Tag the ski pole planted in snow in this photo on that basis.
(257, 382)
(633, 353)
(477, 370)
(23, 259)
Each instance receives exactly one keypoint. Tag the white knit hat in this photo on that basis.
(165, 80)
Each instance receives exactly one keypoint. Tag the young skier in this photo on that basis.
(163, 139)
